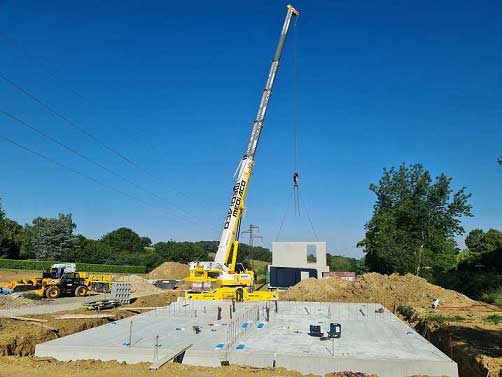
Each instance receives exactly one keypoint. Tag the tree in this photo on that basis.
(414, 222)
(182, 252)
(125, 239)
(473, 241)
(483, 250)
(49, 238)
(11, 236)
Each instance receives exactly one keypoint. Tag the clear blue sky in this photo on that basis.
(175, 87)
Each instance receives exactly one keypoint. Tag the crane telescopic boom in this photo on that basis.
(230, 233)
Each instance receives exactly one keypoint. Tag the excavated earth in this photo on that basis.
(466, 336)
(169, 270)
(389, 290)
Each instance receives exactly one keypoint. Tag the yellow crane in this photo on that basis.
(222, 278)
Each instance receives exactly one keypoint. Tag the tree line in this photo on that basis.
(414, 228)
(55, 239)
(415, 223)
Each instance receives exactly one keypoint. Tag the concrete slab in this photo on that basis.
(372, 341)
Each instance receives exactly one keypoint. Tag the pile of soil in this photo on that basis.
(33, 367)
(20, 337)
(140, 286)
(169, 270)
(388, 290)
(160, 299)
(8, 302)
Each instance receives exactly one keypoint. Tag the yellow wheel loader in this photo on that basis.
(69, 284)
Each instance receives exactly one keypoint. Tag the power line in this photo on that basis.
(252, 237)
(74, 125)
(40, 132)
(69, 121)
(17, 43)
(88, 177)
(74, 171)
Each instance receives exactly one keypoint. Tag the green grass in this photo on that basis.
(442, 319)
(32, 296)
(494, 318)
(406, 310)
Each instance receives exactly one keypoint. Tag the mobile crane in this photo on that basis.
(223, 278)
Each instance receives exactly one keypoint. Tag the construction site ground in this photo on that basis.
(459, 329)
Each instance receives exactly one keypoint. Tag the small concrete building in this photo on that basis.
(295, 261)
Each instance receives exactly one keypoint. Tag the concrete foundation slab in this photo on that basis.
(373, 340)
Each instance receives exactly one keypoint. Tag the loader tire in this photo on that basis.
(81, 291)
(53, 292)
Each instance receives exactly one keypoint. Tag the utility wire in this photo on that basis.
(40, 132)
(74, 171)
(104, 145)
(15, 42)
(30, 57)
(88, 177)
(69, 121)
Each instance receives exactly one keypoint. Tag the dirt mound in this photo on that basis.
(169, 270)
(8, 302)
(160, 299)
(33, 367)
(141, 287)
(20, 337)
(388, 290)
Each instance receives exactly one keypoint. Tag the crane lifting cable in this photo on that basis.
(299, 205)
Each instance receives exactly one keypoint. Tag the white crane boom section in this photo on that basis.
(230, 233)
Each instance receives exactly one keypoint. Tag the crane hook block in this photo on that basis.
(296, 178)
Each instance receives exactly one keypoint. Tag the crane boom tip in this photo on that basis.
(293, 10)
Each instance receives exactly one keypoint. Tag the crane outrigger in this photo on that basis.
(223, 278)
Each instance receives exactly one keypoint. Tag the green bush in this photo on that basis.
(14, 264)
(494, 297)
(494, 318)
(441, 319)
(471, 283)
(406, 310)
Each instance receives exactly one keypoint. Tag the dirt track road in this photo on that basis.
(45, 307)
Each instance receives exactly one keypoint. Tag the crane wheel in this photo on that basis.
(239, 295)
(81, 291)
(53, 292)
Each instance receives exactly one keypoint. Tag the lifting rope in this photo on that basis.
(298, 200)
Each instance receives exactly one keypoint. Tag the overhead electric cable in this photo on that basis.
(69, 121)
(104, 145)
(42, 133)
(91, 178)
(17, 43)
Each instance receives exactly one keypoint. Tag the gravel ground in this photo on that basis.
(46, 306)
